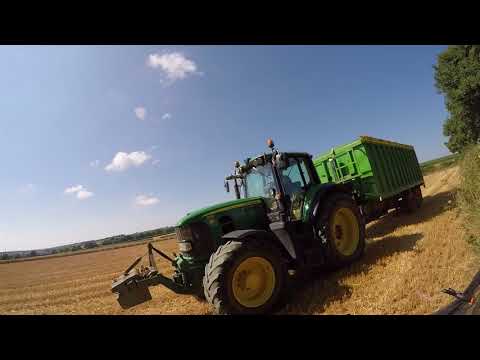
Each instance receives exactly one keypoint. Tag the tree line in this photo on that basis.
(457, 77)
(117, 239)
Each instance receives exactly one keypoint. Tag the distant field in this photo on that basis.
(440, 163)
(99, 248)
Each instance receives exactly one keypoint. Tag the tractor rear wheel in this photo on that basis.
(245, 277)
(341, 228)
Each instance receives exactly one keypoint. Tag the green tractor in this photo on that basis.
(239, 255)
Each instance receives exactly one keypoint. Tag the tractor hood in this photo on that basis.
(196, 215)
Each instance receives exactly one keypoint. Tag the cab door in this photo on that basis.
(296, 178)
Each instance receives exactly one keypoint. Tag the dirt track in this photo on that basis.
(408, 260)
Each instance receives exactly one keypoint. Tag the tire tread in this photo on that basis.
(219, 264)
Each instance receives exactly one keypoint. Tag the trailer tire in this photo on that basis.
(418, 196)
(411, 200)
(341, 229)
(245, 277)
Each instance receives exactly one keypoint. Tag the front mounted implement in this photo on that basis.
(132, 287)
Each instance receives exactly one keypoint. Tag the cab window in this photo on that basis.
(305, 172)
(295, 178)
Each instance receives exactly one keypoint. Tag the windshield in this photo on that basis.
(259, 181)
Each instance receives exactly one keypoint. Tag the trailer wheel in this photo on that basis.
(341, 229)
(245, 277)
(412, 200)
(418, 196)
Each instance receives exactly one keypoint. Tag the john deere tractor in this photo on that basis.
(238, 255)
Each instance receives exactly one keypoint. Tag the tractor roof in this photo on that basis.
(261, 159)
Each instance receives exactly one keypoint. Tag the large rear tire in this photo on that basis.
(341, 229)
(245, 277)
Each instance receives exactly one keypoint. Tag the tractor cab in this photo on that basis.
(280, 178)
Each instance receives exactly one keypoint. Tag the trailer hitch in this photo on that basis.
(132, 287)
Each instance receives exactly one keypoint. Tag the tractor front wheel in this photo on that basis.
(245, 277)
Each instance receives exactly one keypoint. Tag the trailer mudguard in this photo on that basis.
(283, 239)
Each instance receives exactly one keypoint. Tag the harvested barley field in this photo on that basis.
(408, 260)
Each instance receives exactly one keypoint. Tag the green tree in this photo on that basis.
(457, 77)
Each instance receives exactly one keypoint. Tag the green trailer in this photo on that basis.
(383, 174)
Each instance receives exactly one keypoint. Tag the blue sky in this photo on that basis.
(103, 140)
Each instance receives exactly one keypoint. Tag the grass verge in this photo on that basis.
(439, 164)
(469, 193)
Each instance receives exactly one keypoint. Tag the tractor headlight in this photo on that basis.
(184, 239)
(185, 246)
(184, 234)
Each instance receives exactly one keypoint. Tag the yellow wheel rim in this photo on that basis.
(345, 231)
(253, 282)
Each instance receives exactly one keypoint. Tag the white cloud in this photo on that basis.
(174, 65)
(84, 194)
(140, 112)
(144, 200)
(73, 189)
(122, 161)
(94, 163)
(29, 188)
(166, 116)
(80, 191)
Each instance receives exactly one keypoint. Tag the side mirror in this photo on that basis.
(227, 186)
